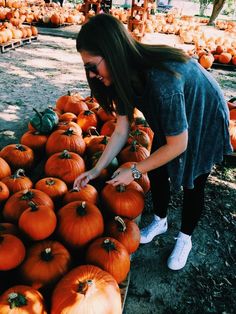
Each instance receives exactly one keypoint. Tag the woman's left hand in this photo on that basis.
(122, 176)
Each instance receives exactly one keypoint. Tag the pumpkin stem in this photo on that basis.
(33, 206)
(121, 224)
(38, 113)
(16, 299)
(18, 174)
(108, 245)
(65, 154)
(104, 140)
(46, 254)
(83, 286)
(27, 196)
(133, 147)
(81, 209)
(69, 132)
(88, 112)
(92, 128)
(75, 190)
(69, 93)
(120, 188)
(50, 181)
(20, 147)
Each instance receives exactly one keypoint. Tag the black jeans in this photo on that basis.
(193, 199)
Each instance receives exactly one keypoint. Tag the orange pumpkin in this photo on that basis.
(5, 169)
(141, 137)
(110, 255)
(108, 127)
(18, 156)
(67, 117)
(206, 60)
(96, 144)
(4, 192)
(83, 219)
(232, 114)
(12, 252)
(232, 133)
(72, 102)
(19, 201)
(88, 194)
(65, 139)
(86, 289)
(38, 222)
(22, 299)
(141, 124)
(126, 231)
(35, 140)
(126, 201)
(53, 187)
(225, 57)
(105, 116)
(18, 182)
(86, 119)
(8, 228)
(133, 152)
(46, 262)
(65, 166)
(65, 125)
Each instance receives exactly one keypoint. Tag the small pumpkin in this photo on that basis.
(86, 289)
(88, 194)
(38, 222)
(86, 119)
(65, 125)
(22, 299)
(18, 181)
(110, 255)
(35, 140)
(83, 219)
(133, 152)
(44, 121)
(53, 187)
(46, 262)
(12, 251)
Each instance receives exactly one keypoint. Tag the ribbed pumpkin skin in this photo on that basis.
(101, 297)
(116, 261)
(87, 194)
(12, 252)
(34, 305)
(19, 201)
(78, 226)
(125, 201)
(133, 152)
(39, 270)
(17, 182)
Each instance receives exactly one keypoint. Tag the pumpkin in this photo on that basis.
(96, 144)
(86, 119)
(12, 251)
(86, 289)
(88, 194)
(68, 117)
(18, 181)
(108, 127)
(8, 228)
(133, 152)
(206, 60)
(65, 125)
(110, 255)
(65, 139)
(53, 187)
(18, 156)
(141, 137)
(45, 121)
(22, 299)
(38, 222)
(5, 169)
(84, 222)
(125, 231)
(35, 140)
(144, 181)
(105, 116)
(232, 114)
(19, 201)
(66, 166)
(71, 102)
(225, 57)
(91, 102)
(232, 133)
(126, 201)
(46, 262)
(4, 192)
(141, 124)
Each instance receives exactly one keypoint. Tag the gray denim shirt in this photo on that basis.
(194, 101)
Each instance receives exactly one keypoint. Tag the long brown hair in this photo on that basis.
(127, 60)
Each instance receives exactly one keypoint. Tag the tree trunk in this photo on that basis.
(217, 6)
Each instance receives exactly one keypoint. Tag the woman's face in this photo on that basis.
(96, 67)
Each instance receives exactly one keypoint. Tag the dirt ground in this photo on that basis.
(35, 76)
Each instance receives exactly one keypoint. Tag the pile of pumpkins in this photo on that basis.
(65, 250)
(8, 31)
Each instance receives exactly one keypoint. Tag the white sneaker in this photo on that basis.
(179, 255)
(157, 226)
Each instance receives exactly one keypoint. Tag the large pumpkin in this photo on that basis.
(19, 201)
(66, 166)
(46, 262)
(12, 251)
(126, 201)
(84, 222)
(86, 289)
(110, 255)
(22, 299)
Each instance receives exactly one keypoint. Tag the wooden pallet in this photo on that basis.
(16, 43)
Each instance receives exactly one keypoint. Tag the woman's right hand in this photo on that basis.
(83, 179)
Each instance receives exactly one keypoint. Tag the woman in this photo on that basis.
(183, 105)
